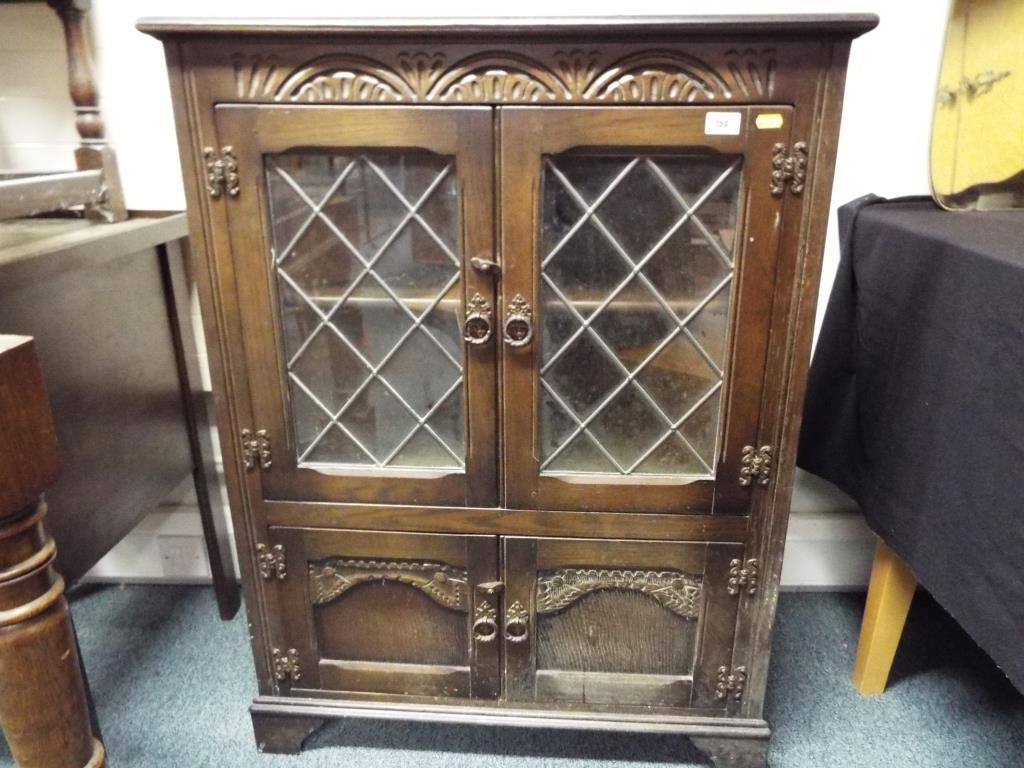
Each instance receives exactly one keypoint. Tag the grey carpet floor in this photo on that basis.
(172, 685)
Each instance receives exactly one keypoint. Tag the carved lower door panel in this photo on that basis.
(393, 613)
(619, 623)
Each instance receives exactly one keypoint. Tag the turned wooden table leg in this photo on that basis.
(43, 710)
(889, 596)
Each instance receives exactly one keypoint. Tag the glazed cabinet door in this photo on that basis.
(369, 339)
(387, 613)
(619, 623)
(639, 251)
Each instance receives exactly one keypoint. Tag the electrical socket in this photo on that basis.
(183, 557)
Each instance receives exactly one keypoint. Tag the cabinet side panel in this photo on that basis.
(805, 220)
(216, 307)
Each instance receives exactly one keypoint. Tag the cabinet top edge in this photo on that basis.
(789, 25)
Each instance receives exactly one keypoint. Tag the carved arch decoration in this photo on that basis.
(678, 592)
(572, 75)
(442, 583)
(498, 77)
(658, 76)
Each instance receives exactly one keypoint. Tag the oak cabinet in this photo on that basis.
(510, 324)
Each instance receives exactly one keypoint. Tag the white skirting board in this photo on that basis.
(828, 546)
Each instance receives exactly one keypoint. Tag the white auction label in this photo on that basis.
(722, 123)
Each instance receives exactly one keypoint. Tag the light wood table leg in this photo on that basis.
(889, 596)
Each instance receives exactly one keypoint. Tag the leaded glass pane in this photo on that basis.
(365, 261)
(637, 266)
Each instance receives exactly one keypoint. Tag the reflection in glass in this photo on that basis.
(637, 261)
(365, 264)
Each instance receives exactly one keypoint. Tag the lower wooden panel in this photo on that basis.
(522, 522)
(383, 612)
(622, 689)
(400, 679)
(520, 715)
(620, 623)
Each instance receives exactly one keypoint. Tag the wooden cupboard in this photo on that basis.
(510, 322)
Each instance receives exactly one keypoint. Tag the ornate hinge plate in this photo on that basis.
(256, 448)
(286, 665)
(271, 562)
(742, 576)
(789, 167)
(221, 172)
(730, 683)
(755, 464)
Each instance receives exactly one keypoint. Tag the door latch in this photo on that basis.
(486, 266)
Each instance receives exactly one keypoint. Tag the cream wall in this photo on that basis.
(883, 145)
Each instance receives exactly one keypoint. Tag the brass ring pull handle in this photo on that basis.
(517, 623)
(518, 328)
(478, 327)
(485, 628)
(485, 624)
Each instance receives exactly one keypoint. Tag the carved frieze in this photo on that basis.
(752, 70)
(492, 76)
(445, 585)
(678, 592)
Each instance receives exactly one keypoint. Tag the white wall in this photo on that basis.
(883, 144)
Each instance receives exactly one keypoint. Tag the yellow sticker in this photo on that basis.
(768, 121)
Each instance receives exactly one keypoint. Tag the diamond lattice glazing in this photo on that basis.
(635, 291)
(368, 279)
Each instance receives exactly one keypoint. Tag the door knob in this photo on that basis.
(518, 328)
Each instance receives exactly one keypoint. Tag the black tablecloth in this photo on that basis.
(915, 403)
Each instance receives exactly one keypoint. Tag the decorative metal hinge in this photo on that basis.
(286, 665)
(221, 172)
(271, 561)
(789, 168)
(756, 463)
(256, 448)
(742, 575)
(730, 683)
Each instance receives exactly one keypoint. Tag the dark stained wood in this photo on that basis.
(637, 720)
(396, 629)
(223, 344)
(94, 154)
(525, 522)
(733, 753)
(718, 634)
(789, 355)
(464, 136)
(108, 307)
(814, 25)
(278, 734)
(528, 134)
(198, 423)
(605, 662)
(44, 713)
(631, 82)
